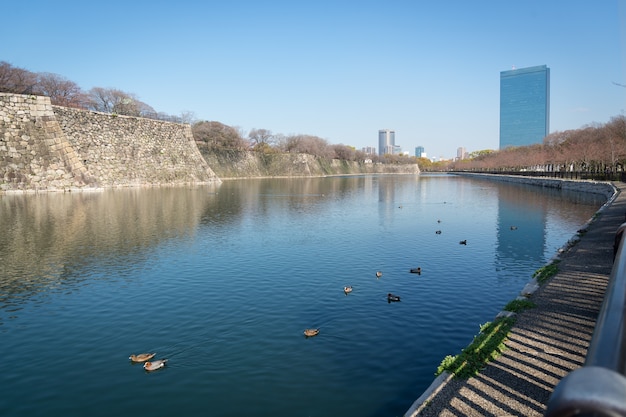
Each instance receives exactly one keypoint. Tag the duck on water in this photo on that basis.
(311, 332)
(392, 298)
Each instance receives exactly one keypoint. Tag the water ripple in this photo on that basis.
(223, 285)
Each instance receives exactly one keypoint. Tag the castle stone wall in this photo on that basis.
(52, 148)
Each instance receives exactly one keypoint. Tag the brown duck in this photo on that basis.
(142, 357)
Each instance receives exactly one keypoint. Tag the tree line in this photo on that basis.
(596, 148)
(67, 93)
(215, 136)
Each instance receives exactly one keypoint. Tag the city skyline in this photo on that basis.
(327, 69)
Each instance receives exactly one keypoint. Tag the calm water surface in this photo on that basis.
(223, 281)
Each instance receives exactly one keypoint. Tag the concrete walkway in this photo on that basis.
(547, 342)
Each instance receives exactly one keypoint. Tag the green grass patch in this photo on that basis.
(546, 272)
(485, 347)
(519, 305)
(489, 343)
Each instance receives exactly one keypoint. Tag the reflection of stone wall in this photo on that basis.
(51, 239)
(45, 147)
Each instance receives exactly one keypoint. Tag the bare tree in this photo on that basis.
(101, 99)
(62, 92)
(616, 130)
(313, 145)
(344, 152)
(291, 143)
(16, 80)
(144, 110)
(280, 142)
(125, 103)
(162, 116)
(188, 117)
(111, 100)
(261, 136)
(218, 136)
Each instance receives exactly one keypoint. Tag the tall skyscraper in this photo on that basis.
(386, 141)
(420, 152)
(524, 106)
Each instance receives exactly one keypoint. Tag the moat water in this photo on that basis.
(223, 281)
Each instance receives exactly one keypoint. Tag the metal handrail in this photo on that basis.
(599, 387)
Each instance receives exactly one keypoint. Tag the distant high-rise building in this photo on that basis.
(419, 152)
(524, 106)
(369, 150)
(461, 153)
(386, 141)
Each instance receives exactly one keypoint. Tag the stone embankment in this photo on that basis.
(51, 148)
(245, 164)
(594, 187)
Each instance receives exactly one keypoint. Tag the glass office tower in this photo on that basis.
(386, 142)
(524, 106)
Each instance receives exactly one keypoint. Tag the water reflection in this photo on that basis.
(521, 225)
(223, 281)
(524, 219)
(48, 239)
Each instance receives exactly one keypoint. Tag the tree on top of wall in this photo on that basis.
(16, 80)
(62, 92)
(218, 136)
(112, 100)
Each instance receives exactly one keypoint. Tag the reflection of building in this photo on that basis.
(524, 106)
(386, 142)
(524, 209)
(419, 152)
(387, 198)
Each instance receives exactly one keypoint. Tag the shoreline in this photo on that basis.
(425, 403)
(586, 186)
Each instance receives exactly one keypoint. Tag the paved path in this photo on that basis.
(548, 341)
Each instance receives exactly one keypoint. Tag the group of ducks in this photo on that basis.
(463, 242)
(148, 365)
(390, 297)
(348, 289)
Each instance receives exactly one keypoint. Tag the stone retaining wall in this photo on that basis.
(585, 186)
(230, 164)
(34, 153)
(52, 148)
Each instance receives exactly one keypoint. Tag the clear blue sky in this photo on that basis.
(340, 70)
